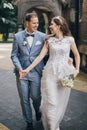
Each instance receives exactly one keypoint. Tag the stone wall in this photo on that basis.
(83, 23)
(52, 6)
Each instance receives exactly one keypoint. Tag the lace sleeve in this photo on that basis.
(71, 40)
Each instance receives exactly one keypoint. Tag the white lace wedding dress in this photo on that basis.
(54, 96)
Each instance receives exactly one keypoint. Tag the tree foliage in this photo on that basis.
(8, 17)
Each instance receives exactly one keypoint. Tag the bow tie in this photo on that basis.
(27, 35)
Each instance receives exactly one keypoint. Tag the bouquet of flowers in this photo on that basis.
(68, 81)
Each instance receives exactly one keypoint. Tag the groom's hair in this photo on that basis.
(29, 16)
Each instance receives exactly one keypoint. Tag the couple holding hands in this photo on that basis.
(41, 82)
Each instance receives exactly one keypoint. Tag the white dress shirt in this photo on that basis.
(30, 40)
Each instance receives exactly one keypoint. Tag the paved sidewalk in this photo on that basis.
(10, 110)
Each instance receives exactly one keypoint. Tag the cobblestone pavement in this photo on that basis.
(10, 111)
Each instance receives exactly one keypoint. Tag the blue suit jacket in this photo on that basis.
(22, 55)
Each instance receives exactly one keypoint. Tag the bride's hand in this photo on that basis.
(76, 73)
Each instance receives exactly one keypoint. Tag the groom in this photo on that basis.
(27, 45)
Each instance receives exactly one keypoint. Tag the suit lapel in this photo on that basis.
(24, 38)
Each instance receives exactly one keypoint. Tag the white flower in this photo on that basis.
(24, 42)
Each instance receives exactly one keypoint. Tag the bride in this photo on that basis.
(55, 97)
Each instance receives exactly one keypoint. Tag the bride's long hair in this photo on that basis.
(64, 28)
(59, 20)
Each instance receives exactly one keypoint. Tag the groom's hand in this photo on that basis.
(23, 73)
(20, 74)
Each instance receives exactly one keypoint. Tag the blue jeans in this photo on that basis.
(29, 89)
